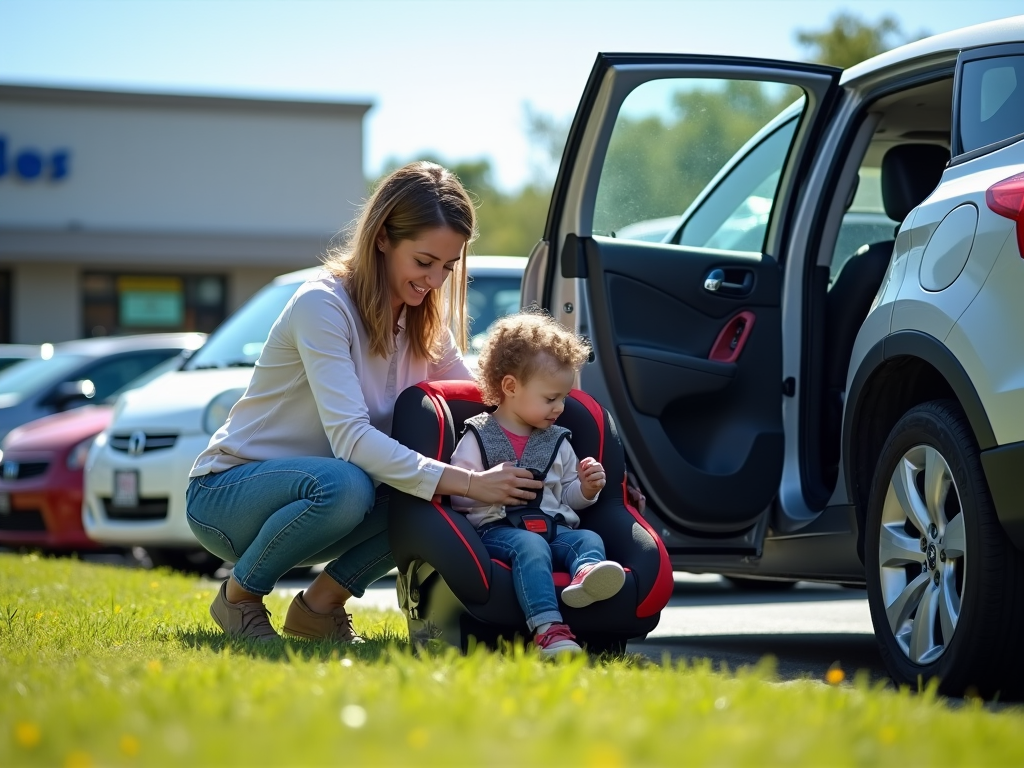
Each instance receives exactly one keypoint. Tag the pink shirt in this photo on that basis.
(518, 441)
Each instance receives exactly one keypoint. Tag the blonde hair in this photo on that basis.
(521, 344)
(417, 197)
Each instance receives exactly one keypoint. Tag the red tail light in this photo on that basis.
(1007, 199)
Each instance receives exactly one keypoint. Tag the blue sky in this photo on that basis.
(451, 76)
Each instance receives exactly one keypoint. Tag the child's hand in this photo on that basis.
(592, 477)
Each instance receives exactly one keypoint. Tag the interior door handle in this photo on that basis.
(716, 282)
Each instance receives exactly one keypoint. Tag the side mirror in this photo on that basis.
(71, 394)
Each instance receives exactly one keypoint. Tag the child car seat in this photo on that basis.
(450, 588)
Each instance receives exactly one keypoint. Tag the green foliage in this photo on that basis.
(657, 164)
(105, 666)
(849, 40)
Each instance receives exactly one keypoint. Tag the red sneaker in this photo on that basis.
(558, 639)
(594, 582)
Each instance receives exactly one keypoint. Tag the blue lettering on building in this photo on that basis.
(30, 163)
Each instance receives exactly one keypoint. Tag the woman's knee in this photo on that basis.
(337, 484)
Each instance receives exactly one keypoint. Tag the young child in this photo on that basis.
(526, 368)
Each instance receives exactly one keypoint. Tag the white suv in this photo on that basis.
(796, 406)
(137, 470)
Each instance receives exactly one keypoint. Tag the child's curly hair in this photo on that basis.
(523, 343)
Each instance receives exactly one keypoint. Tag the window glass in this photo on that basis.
(865, 223)
(488, 299)
(240, 339)
(112, 374)
(28, 377)
(126, 303)
(991, 101)
(679, 141)
(167, 366)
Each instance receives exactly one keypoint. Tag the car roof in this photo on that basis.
(19, 350)
(111, 345)
(476, 262)
(1009, 30)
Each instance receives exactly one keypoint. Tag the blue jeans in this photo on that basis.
(533, 560)
(271, 516)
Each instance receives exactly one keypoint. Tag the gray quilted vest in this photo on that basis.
(538, 456)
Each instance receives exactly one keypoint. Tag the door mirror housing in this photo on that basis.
(71, 394)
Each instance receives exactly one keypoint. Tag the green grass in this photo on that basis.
(110, 667)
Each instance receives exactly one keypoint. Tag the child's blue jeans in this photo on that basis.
(533, 560)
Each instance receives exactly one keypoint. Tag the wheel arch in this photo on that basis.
(902, 370)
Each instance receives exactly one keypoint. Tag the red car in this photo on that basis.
(41, 479)
(42, 465)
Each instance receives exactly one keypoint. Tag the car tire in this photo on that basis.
(945, 584)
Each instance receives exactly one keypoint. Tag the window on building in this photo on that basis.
(120, 303)
(5, 307)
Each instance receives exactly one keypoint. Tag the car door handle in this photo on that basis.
(716, 282)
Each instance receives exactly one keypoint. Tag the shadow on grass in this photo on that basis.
(379, 647)
(376, 647)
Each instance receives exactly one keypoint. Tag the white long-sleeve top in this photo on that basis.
(318, 391)
(562, 492)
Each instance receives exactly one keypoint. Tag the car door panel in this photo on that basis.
(696, 423)
(687, 338)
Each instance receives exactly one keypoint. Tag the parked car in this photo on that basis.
(795, 407)
(15, 353)
(75, 373)
(41, 472)
(137, 469)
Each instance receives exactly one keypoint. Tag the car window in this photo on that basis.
(29, 376)
(865, 223)
(991, 101)
(111, 374)
(675, 141)
(489, 298)
(734, 216)
(168, 365)
(241, 337)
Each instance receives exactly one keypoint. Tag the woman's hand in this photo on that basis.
(634, 494)
(504, 484)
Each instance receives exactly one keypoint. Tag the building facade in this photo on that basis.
(133, 213)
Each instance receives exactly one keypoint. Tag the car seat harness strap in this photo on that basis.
(538, 456)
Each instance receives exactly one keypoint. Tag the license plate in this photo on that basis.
(126, 488)
(5, 503)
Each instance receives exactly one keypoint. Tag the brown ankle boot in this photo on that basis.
(246, 621)
(303, 622)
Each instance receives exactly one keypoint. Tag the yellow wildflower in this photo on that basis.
(27, 734)
(129, 745)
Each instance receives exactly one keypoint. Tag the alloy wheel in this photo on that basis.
(922, 554)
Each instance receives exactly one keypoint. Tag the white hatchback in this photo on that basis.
(137, 470)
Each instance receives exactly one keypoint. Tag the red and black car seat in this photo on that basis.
(450, 588)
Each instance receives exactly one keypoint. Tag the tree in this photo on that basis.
(510, 223)
(850, 40)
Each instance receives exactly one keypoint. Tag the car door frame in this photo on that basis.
(579, 175)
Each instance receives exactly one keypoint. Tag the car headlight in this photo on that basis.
(219, 408)
(78, 454)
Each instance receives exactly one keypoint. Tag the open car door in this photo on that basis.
(663, 246)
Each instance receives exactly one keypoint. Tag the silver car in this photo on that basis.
(817, 372)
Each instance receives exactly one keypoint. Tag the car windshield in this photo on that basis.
(239, 341)
(29, 376)
(489, 297)
(168, 365)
